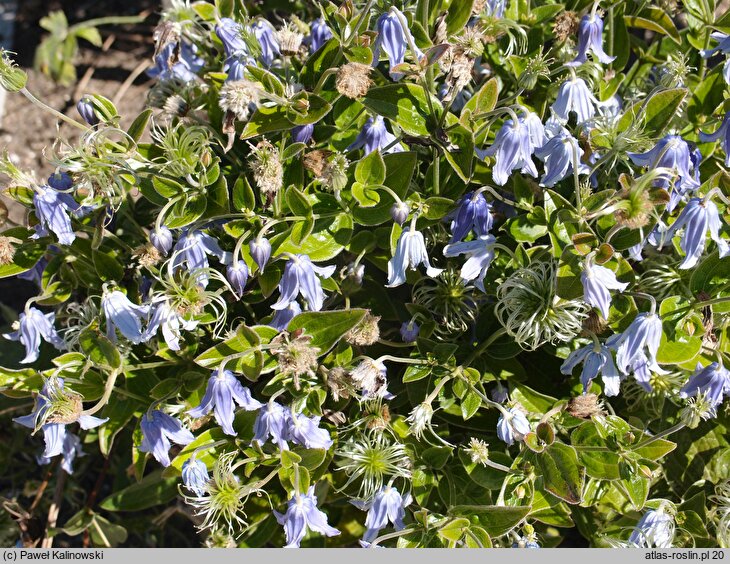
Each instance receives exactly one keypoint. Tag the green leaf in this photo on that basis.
(470, 405)
(243, 195)
(150, 491)
(637, 489)
(658, 111)
(106, 534)
(270, 119)
(136, 130)
(107, 267)
(461, 158)
(655, 19)
(100, 350)
(415, 372)
(495, 519)
(370, 170)
(454, 529)
(327, 239)
(298, 202)
(563, 475)
(326, 327)
(366, 196)
(405, 104)
(27, 254)
(600, 465)
(458, 14)
(242, 353)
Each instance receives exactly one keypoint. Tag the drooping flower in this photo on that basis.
(375, 136)
(723, 46)
(34, 325)
(597, 281)
(721, 134)
(319, 34)
(161, 239)
(590, 38)
(514, 426)
(266, 36)
(480, 252)
(712, 380)
(122, 314)
(272, 421)
(237, 274)
(305, 431)
(192, 249)
(282, 317)
(495, 8)
(387, 505)
(260, 252)
(409, 331)
(409, 253)
(394, 38)
(302, 133)
(699, 215)
(302, 514)
(195, 475)
(655, 529)
(222, 391)
(300, 278)
(473, 212)
(575, 96)
(177, 62)
(597, 359)
(636, 347)
(559, 154)
(85, 107)
(158, 429)
(512, 149)
(70, 450)
(51, 208)
(229, 32)
(169, 319)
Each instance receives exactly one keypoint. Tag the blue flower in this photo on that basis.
(161, 239)
(70, 449)
(192, 250)
(237, 275)
(35, 274)
(272, 421)
(158, 429)
(51, 207)
(590, 38)
(500, 393)
(302, 514)
(60, 181)
(473, 212)
(374, 136)
(177, 61)
(167, 318)
(394, 38)
(636, 347)
(302, 133)
(229, 32)
(319, 34)
(195, 475)
(305, 431)
(266, 36)
(723, 135)
(495, 8)
(85, 107)
(515, 426)
(300, 277)
(656, 238)
(387, 505)
(260, 252)
(512, 149)
(409, 331)
(34, 325)
(122, 314)
(481, 254)
(712, 380)
(409, 253)
(724, 47)
(282, 317)
(654, 529)
(575, 96)
(223, 389)
(597, 281)
(596, 359)
(559, 153)
(696, 218)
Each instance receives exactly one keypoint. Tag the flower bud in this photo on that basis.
(60, 181)
(161, 239)
(86, 111)
(12, 78)
(260, 252)
(237, 275)
(409, 331)
(399, 212)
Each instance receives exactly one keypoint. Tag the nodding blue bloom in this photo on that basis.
(302, 133)
(399, 212)
(374, 136)
(590, 38)
(235, 65)
(177, 61)
(237, 275)
(161, 239)
(656, 238)
(282, 317)
(409, 331)
(597, 281)
(60, 181)
(723, 135)
(35, 274)
(387, 505)
(305, 431)
(300, 278)
(495, 8)
(158, 429)
(512, 149)
(192, 250)
(654, 529)
(636, 347)
(272, 421)
(723, 45)
(70, 449)
(409, 253)
(34, 325)
(611, 107)
(671, 152)
(559, 153)
(394, 38)
(473, 212)
(260, 252)
(86, 110)
(195, 475)
(319, 34)
(500, 393)
(696, 218)
(122, 314)
(229, 32)
(575, 96)
(302, 514)
(51, 208)
(537, 130)
(266, 36)
(223, 390)
(712, 380)
(167, 318)
(481, 254)
(516, 426)
(596, 359)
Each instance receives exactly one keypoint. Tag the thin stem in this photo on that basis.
(395, 535)
(47, 108)
(107, 394)
(666, 432)
(55, 507)
(482, 347)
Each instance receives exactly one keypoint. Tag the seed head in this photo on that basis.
(290, 40)
(585, 406)
(268, 174)
(353, 80)
(372, 458)
(566, 25)
(237, 96)
(364, 333)
(7, 250)
(478, 451)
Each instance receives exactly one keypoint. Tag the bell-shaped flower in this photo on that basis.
(495, 8)
(375, 136)
(51, 209)
(480, 252)
(237, 275)
(34, 325)
(636, 347)
(229, 32)
(512, 149)
(722, 134)
(161, 239)
(597, 359)
(266, 36)
(712, 380)
(260, 252)
(300, 278)
(513, 426)
(723, 46)
(177, 62)
(223, 390)
(320, 33)
(395, 39)
(696, 218)
(302, 514)
(158, 429)
(272, 421)
(409, 331)
(195, 475)
(192, 249)
(538, 131)
(387, 505)
(305, 431)
(409, 253)
(167, 318)
(656, 238)
(597, 281)
(302, 133)
(122, 314)
(575, 96)
(559, 154)
(655, 529)
(282, 317)
(590, 38)
(473, 212)
(70, 450)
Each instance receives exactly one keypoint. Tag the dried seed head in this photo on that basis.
(459, 74)
(353, 80)
(268, 174)
(370, 376)
(364, 333)
(566, 25)
(64, 407)
(316, 161)
(593, 324)
(290, 40)
(637, 205)
(7, 251)
(334, 175)
(339, 383)
(237, 96)
(297, 357)
(585, 406)
(147, 255)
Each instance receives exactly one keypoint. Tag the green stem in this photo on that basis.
(107, 394)
(47, 108)
(666, 432)
(436, 172)
(482, 347)
(109, 20)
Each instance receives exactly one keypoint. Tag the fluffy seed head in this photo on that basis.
(585, 406)
(366, 332)
(7, 251)
(268, 173)
(237, 96)
(353, 80)
(566, 25)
